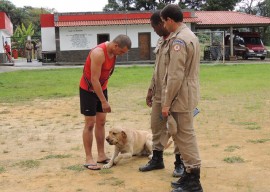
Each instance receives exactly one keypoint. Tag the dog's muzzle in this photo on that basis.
(109, 141)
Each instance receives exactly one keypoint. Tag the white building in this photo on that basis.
(68, 37)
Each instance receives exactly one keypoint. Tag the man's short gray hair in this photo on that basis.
(123, 41)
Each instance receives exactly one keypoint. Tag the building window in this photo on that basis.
(101, 38)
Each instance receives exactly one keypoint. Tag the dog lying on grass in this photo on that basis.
(128, 143)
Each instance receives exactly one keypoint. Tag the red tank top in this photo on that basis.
(106, 70)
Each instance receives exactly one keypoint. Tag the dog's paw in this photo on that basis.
(116, 160)
(150, 156)
(107, 166)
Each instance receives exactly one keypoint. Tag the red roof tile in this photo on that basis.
(117, 18)
(230, 18)
(112, 22)
(204, 19)
(101, 23)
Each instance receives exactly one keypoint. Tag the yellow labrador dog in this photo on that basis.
(128, 142)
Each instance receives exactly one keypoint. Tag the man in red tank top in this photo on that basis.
(98, 68)
(8, 51)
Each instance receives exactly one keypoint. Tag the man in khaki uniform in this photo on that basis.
(39, 50)
(153, 99)
(28, 50)
(181, 93)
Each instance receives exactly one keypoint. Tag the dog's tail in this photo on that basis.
(168, 144)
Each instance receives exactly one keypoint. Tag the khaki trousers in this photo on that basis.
(158, 127)
(29, 55)
(186, 141)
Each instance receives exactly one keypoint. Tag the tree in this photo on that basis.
(191, 4)
(25, 15)
(120, 5)
(145, 5)
(264, 8)
(11, 11)
(217, 5)
(111, 6)
(7, 7)
(129, 5)
(162, 3)
(21, 33)
(249, 6)
(208, 5)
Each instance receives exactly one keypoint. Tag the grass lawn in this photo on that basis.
(216, 81)
(41, 128)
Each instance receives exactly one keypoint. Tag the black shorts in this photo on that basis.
(90, 103)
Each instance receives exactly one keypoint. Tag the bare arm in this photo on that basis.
(97, 59)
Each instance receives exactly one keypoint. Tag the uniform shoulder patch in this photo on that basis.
(177, 44)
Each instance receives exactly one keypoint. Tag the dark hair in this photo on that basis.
(122, 41)
(155, 18)
(172, 11)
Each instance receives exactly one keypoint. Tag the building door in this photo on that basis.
(144, 46)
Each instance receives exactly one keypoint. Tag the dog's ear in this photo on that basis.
(124, 135)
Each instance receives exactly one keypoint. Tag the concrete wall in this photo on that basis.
(85, 38)
(48, 39)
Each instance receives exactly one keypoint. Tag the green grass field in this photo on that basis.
(41, 128)
(216, 81)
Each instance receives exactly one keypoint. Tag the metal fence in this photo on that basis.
(212, 46)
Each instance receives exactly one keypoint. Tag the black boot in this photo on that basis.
(179, 167)
(189, 182)
(155, 163)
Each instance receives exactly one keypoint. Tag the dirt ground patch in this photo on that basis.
(41, 147)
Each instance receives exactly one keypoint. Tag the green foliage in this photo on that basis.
(129, 5)
(261, 8)
(21, 33)
(7, 7)
(264, 8)
(217, 5)
(26, 15)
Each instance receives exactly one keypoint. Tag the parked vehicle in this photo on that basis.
(247, 45)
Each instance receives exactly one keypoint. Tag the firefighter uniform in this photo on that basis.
(28, 51)
(180, 90)
(158, 123)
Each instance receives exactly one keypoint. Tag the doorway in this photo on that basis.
(101, 38)
(144, 46)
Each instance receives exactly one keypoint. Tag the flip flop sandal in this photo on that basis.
(93, 167)
(106, 161)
